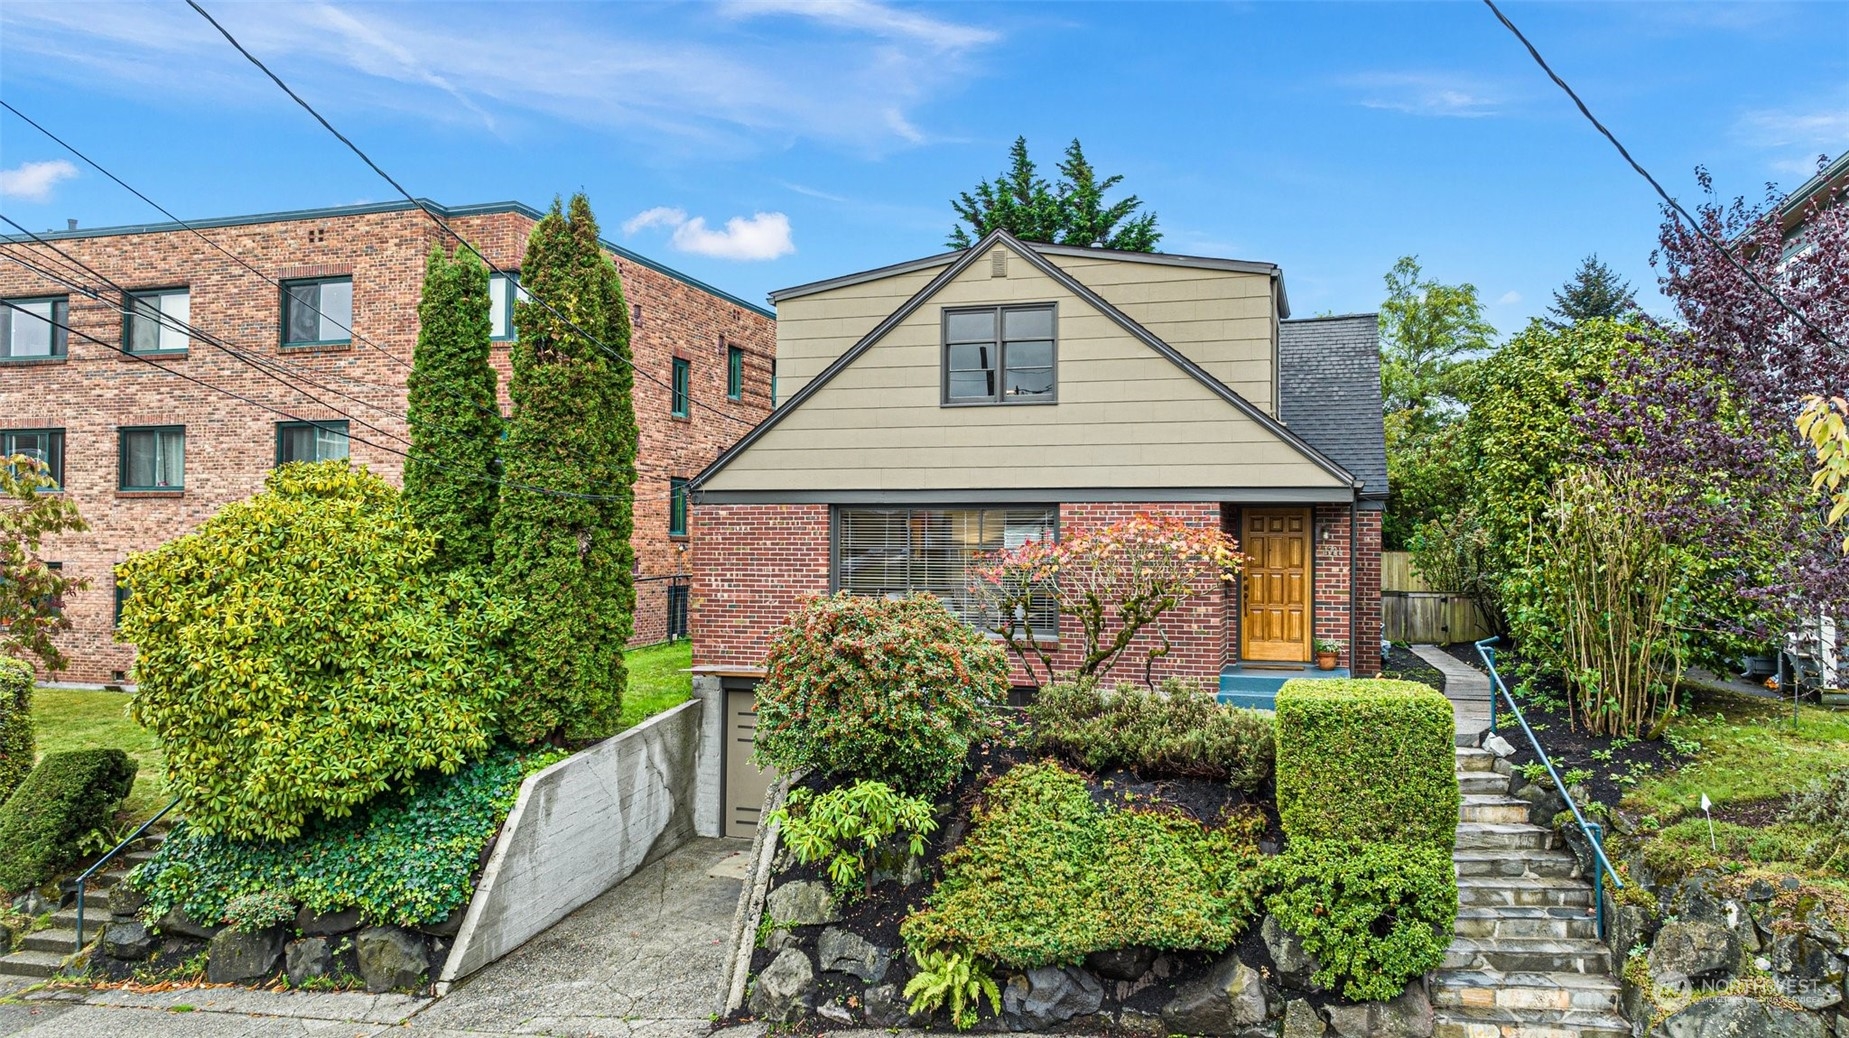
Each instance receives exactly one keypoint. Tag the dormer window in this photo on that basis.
(1000, 355)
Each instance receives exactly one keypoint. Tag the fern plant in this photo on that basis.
(953, 978)
(854, 828)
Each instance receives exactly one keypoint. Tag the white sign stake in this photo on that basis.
(1705, 805)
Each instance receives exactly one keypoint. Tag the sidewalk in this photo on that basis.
(1466, 687)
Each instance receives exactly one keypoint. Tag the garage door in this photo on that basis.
(745, 782)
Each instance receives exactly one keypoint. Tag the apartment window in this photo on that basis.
(734, 373)
(33, 329)
(886, 551)
(677, 508)
(317, 312)
(635, 315)
(157, 321)
(45, 446)
(311, 441)
(999, 355)
(682, 403)
(122, 594)
(503, 290)
(153, 459)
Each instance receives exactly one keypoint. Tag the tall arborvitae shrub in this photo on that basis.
(565, 553)
(16, 742)
(454, 418)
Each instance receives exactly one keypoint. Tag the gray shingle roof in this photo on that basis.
(1329, 392)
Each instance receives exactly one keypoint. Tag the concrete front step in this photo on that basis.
(31, 964)
(1527, 955)
(1553, 1023)
(1574, 924)
(56, 939)
(1480, 836)
(1482, 782)
(1472, 759)
(1485, 864)
(1532, 992)
(1493, 808)
(1498, 892)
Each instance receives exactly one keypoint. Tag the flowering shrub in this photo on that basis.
(1115, 581)
(873, 688)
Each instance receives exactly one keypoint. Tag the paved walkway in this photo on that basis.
(642, 961)
(1466, 687)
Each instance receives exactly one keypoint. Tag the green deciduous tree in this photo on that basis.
(565, 554)
(1072, 212)
(1595, 290)
(31, 592)
(453, 415)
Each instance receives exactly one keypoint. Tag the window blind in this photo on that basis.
(893, 551)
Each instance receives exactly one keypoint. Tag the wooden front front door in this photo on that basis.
(1277, 617)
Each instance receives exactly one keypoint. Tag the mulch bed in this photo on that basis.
(1568, 746)
(1401, 664)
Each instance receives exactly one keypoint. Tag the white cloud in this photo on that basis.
(33, 181)
(764, 236)
(1509, 298)
(1425, 93)
(876, 19)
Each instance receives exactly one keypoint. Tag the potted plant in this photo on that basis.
(1328, 650)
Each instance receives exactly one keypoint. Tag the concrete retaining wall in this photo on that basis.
(579, 828)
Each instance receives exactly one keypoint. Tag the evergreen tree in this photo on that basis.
(453, 415)
(1069, 213)
(566, 555)
(1595, 290)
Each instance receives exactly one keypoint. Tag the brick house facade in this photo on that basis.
(93, 392)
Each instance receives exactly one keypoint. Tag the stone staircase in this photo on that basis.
(1526, 961)
(44, 952)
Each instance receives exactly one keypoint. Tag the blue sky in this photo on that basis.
(759, 145)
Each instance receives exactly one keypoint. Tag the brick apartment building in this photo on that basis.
(147, 455)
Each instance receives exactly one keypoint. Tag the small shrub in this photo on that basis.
(1375, 916)
(16, 745)
(258, 910)
(955, 979)
(873, 688)
(1046, 876)
(1180, 732)
(854, 828)
(42, 825)
(1367, 761)
(1826, 805)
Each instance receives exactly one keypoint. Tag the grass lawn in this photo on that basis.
(658, 679)
(63, 719)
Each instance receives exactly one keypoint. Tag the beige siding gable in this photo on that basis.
(1126, 416)
(812, 330)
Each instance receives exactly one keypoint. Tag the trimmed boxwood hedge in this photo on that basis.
(1363, 761)
(16, 745)
(68, 796)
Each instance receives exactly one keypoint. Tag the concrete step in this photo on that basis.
(57, 939)
(1531, 992)
(1560, 923)
(1527, 955)
(30, 964)
(1472, 759)
(1483, 782)
(1495, 808)
(1479, 836)
(1500, 892)
(1504, 1023)
(1512, 865)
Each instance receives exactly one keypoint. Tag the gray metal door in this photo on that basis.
(745, 782)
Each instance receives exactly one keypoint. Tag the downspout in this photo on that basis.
(1354, 601)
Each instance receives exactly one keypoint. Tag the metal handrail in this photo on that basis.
(107, 858)
(1593, 831)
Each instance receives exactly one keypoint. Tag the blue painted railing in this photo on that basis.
(107, 858)
(1593, 831)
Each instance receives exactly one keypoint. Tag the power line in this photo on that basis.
(447, 229)
(1694, 224)
(67, 146)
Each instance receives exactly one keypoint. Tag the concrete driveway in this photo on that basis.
(642, 961)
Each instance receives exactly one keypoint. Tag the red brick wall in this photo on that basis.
(752, 565)
(231, 445)
(1367, 609)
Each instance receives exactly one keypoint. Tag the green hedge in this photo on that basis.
(1047, 876)
(67, 797)
(16, 745)
(1374, 915)
(404, 859)
(1179, 732)
(1367, 761)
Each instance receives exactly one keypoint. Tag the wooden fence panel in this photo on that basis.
(1430, 617)
(1397, 574)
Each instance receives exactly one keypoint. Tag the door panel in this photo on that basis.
(1277, 618)
(745, 782)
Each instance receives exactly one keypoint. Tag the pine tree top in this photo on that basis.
(1595, 290)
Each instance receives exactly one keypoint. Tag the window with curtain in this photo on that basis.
(156, 321)
(41, 445)
(887, 551)
(311, 441)
(153, 459)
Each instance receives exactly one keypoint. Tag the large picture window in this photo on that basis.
(33, 329)
(153, 459)
(999, 355)
(887, 551)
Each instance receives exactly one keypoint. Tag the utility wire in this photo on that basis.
(447, 229)
(1694, 224)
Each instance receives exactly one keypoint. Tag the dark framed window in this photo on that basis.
(42, 445)
(122, 593)
(677, 508)
(34, 329)
(152, 458)
(734, 373)
(635, 315)
(503, 291)
(885, 551)
(157, 321)
(1000, 355)
(682, 403)
(311, 441)
(317, 312)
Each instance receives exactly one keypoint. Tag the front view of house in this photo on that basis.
(944, 408)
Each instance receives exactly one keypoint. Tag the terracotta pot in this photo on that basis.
(1325, 660)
